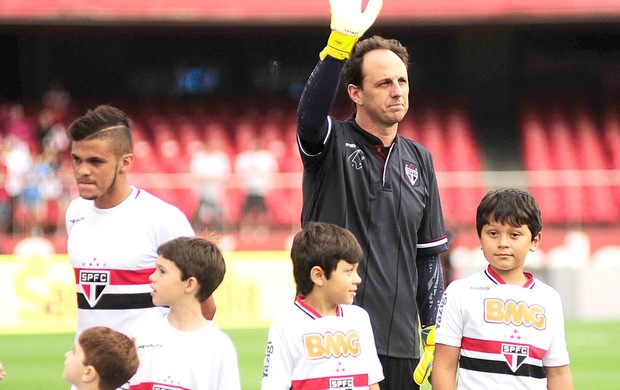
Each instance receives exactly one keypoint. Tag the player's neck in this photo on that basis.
(92, 385)
(114, 196)
(516, 276)
(186, 317)
(321, 305)
(385, 134)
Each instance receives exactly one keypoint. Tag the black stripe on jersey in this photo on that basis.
(498, 367)
(118, 302)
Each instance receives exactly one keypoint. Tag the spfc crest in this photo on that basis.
(411, 173)
(515, 355)
(93, 283)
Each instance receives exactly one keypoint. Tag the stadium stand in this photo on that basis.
(567, 156)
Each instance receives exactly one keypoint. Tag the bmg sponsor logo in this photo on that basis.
(510, 312)
(327, 345)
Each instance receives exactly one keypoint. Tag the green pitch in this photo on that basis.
(35, 362)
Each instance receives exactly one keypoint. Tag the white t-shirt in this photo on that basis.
(113, 252)
(211, 167)
(257, 168)
(506, 333)
(308, 351)
(204, 359)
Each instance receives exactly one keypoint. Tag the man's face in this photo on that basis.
(384, 93)
(96, 168)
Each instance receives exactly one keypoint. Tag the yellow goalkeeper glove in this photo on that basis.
(348, 23)
(423, 370)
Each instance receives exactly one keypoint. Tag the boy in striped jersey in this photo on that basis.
(322, 341)
(504, 327)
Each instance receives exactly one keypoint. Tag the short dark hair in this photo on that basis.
(104, 122)
(353, 67)
(111, 353)
(197, 257)
(321, 244)
(510, 206)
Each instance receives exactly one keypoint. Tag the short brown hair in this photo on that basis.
(353, 67)
(321, 244)
(510, 206)
(104, 122)
(111, 353)
(197, 257)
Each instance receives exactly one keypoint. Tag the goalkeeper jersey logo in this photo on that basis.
(93, 283)
(356, 159)
(411, 173)
(515, 355)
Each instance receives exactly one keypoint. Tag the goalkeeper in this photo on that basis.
(503, 326)
(362, 175)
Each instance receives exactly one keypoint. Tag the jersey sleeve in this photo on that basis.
(316, 101)
(432, 238)
(172, 223)
(557, 354)
(430, 288)
(229, 368)
(278, 367)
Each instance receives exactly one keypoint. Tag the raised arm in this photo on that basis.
(348, 24)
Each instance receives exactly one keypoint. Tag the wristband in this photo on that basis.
(339, 46)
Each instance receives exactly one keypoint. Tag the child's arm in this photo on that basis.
(444, 367)
(374, 387)
(559, 378)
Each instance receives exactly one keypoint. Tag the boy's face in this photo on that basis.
(166, 283)
(74, 365)
(341, 287)
(505, 247)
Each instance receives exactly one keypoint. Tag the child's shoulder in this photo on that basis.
(476, 278)
(546, 288)
(354, 310)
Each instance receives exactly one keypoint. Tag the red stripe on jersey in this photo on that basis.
(118, 276)
(332, 382)
(153, 385)
(300, 303)
(489, 346)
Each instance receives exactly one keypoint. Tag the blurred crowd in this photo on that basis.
(35, 169)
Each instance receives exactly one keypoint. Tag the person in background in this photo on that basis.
(212, 166)
(362, 175)
(256, 167)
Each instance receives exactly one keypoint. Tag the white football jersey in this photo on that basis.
(113, 252)
(204, 359)
(308, 351)
(506, 333)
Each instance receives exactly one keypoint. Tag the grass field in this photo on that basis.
(35, 362)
